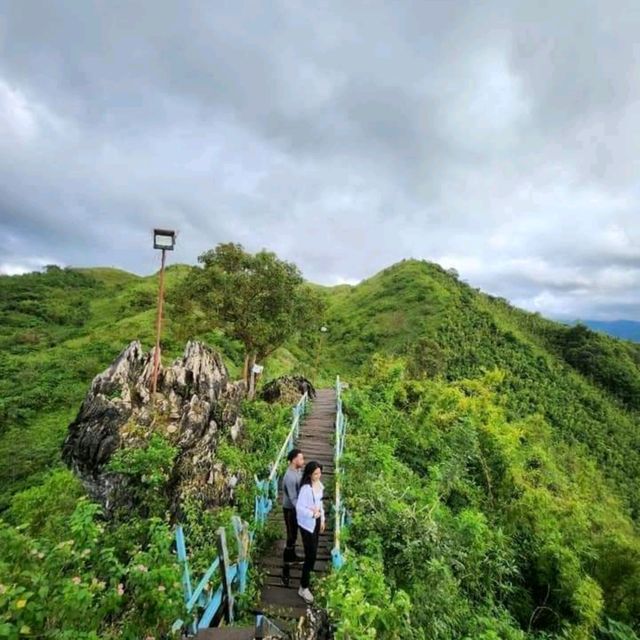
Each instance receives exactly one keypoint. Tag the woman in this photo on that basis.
(310, 516)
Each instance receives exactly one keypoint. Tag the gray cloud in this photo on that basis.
(500, 138)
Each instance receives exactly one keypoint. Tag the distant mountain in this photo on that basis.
(625, 329)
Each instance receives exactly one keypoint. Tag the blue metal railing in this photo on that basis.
(337, 558)
(203, 597)
(267, 493)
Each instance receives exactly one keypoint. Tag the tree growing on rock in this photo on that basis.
(257, 299)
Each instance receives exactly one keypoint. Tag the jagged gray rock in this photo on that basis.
(287, 389)
(196, 403)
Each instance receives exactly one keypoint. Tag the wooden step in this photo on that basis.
(324, 555)
(318, 447)
(273, 566)
(277, 549)
(285, 602)
(326, 542)
(325, 457)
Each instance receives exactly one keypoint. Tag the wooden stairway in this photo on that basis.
(277, 601)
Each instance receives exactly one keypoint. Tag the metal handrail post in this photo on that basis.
(336, 555)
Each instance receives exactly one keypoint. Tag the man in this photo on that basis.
(290, 488)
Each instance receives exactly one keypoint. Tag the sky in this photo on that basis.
(498, 138)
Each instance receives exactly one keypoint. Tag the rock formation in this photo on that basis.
(287, 389)
(195, 405)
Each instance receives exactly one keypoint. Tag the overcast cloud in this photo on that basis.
(499, 138)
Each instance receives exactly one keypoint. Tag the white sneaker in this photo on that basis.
(306, 595)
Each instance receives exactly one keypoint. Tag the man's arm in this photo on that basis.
(291, 487)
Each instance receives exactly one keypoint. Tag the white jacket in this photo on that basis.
(308, 500)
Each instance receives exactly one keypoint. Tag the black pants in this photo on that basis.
(291, 523)
(310, 542)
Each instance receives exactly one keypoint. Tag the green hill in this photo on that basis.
(65, 572)
(58, 329)
(498, 439)
(586, 384)
(477, 428)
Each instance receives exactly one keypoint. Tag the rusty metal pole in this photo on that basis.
(156, 354)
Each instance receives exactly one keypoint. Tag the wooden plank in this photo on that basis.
(276, 554)
(273, 566)
(324, 554)
(328, 533)
(295, 571)
(324, 459)
(286, 601)
(314, 445)
(314, 430)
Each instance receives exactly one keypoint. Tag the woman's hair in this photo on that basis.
(309, 468)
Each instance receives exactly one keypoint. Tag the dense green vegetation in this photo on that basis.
(585, 384)
(493, 462)
(475, 525)
(493, 472)
(65, 571)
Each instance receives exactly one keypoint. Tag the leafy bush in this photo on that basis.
(493, 527)
(608, 363)
(149, 467)
(79, 588)
(360, 599)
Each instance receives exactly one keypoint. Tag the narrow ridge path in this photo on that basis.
(316, 442)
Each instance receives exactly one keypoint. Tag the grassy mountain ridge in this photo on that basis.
(492, 471)
(587, 385)
(61, 328)
(495, 431)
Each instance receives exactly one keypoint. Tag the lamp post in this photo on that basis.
(164, 240)
(323, 331)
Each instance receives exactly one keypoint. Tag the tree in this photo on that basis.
(426, 358)
(256, 298)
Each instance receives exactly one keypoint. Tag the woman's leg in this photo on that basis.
(310, 542)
